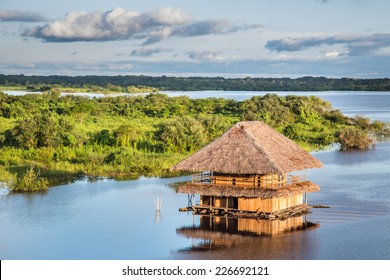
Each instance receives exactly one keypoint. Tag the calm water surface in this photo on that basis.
(117, 219)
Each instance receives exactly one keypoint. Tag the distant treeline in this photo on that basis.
(203, 83)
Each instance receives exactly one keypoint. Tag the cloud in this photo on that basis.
(119, 54)
(117, 24)
(147, 52)
(354, 44)
(120, 24)
(203, 55)
(333, 54)
(201, 28)
(211, 27)
(8, 15)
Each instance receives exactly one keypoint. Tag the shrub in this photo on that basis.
(5, 177)
(352, 138)
(29, 182)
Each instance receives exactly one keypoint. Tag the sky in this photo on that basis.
(255, 38)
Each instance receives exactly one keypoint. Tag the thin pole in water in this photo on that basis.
(158, 203)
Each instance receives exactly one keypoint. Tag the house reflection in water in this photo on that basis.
(247, 238)
(250, 226)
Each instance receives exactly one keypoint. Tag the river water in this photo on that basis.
(110, 219)
(374, 105)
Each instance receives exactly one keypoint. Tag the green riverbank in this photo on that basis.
(129, 136)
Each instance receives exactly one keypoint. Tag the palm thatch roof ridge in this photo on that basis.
(250, 147)
(248, 192)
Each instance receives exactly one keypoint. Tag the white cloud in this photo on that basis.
(147, 52)
(120, 24)
(355, 44)
(204, 55)
(8, 15)
(333, 54)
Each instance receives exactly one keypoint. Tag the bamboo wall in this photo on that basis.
(267, 205)
(272, 181)
(220, 202)
(236, 181)
(270, 204)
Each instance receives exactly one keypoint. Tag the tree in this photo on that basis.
(128, 135)
(25, 133)
(270, 109)
(43, 130)
(215, 125)
(103, 138)
(182, 134)
(156, 105)
(81, 109)
(362, 122)
(352, 138)
(13, 109)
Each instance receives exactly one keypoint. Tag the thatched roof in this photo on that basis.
(249, 148)
(250, 192)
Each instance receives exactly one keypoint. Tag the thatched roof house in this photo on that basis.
(246, 169)
(249, 148)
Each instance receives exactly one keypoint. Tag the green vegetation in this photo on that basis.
(128, 136)
(122, 83)
(31, 181)
(352, 138)
(28, 181)
(56, 88)
(6, 177)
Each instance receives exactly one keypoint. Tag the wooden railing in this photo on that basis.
(271, 182)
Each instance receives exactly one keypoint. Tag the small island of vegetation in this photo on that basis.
(44, 137)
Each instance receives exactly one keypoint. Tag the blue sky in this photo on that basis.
(258, 38)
